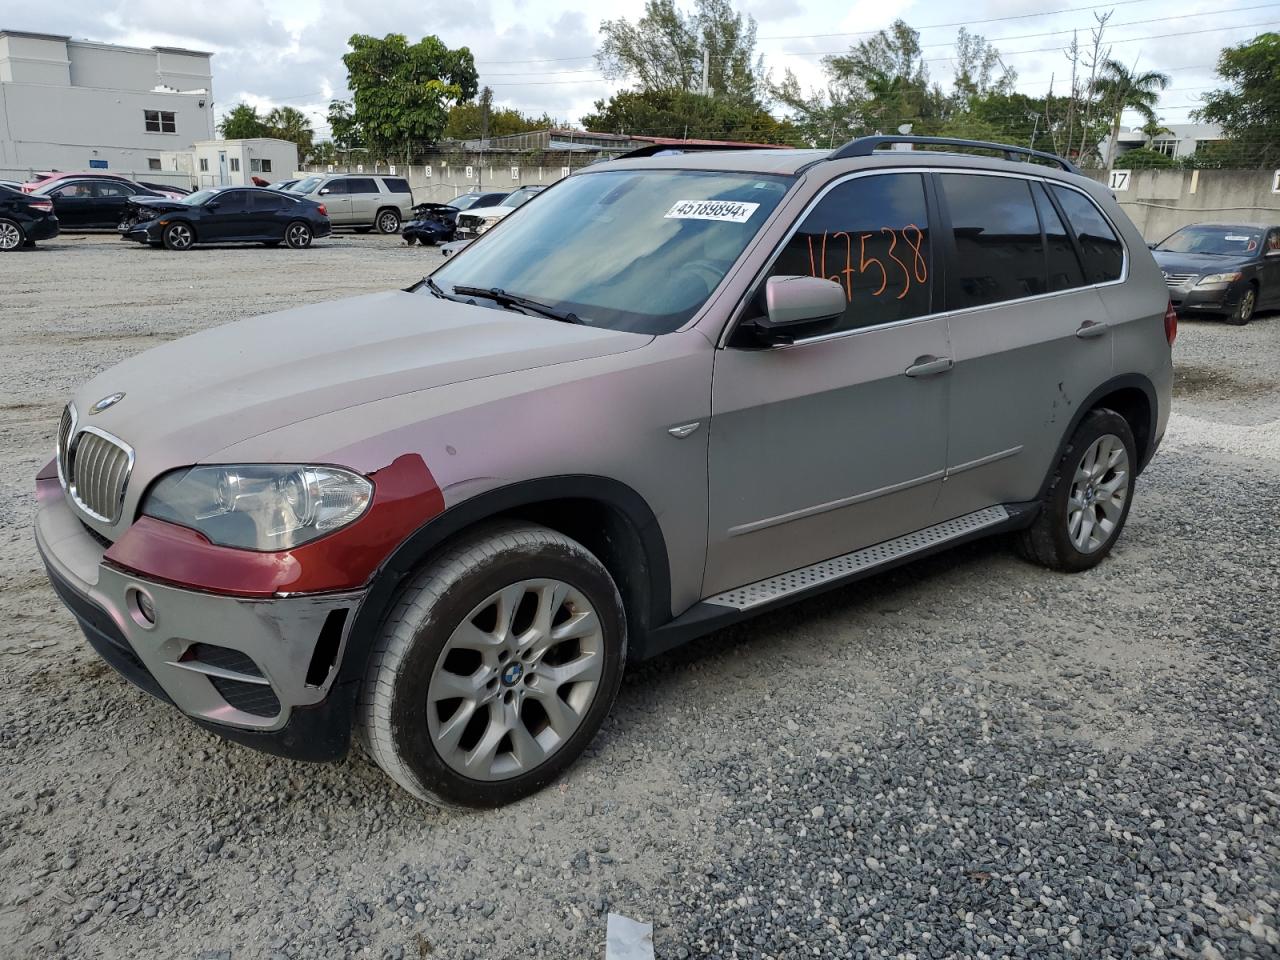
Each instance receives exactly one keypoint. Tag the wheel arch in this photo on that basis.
(606, 516)
(1133, 396)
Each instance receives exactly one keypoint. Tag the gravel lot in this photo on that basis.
(967, 757)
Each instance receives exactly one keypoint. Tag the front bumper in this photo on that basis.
(1190, 299)
(257, 671)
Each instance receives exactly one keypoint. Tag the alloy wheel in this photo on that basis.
(388, 223)
(299, 235)
(1247, 303)
(10, 236)
(1099, 489)
(179, 236)
(515, 679)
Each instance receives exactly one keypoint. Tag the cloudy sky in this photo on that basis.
(537, 54)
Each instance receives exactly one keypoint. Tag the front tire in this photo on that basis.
(388, 221)
(496, 667)
(179, 236)
(297, 235)
(1089, 496)
(1243, 312)
(11, 236)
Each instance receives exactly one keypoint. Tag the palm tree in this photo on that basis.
(1119, 89)
(289, 123)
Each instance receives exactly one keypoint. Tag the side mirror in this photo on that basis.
(1153, 244)
(323, 191)
(212, 205)
(790, 301)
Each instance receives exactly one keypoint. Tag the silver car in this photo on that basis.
(363, 201)
(669, 395)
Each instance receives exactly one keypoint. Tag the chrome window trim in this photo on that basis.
(130, 457)
(723, 340)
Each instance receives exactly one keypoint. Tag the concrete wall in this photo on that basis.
(439, 177)
(1161, 201)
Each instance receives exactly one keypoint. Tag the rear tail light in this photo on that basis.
(1170, 324)
(324, 212)
(44, 206)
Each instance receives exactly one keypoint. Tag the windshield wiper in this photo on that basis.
(500, 296)
(436, 290)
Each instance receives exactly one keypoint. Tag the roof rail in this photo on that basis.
(865, 146)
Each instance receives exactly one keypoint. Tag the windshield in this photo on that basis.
(517, 199)
(199, 197)
(464, 201)
(306, 186)
(1216, 241)
(637, 250)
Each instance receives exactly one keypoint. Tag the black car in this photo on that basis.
(438, 222)
(24, 219)
(1228, 269)
(91, 202)
(226, 215)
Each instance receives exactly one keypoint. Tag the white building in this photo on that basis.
(1176, 140)
(75, 105)
(214, 163)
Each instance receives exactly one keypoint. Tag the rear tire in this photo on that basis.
(297, 235)
(1243, 312)
(509, 619)
(12, 236)
(388, 221)
(179, 236)
(1089, 496)
(410, 240)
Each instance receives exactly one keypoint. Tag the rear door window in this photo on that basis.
(871, 236)
(361, 185)
(1101, 248)
(396, 184)
(1060, 253)
(265, 202)
(999, 252)
(335, 188)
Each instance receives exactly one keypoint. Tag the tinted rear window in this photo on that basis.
(1060, 255)
(1102, 250)
(999, 254)
(397, 184)
(362, 185)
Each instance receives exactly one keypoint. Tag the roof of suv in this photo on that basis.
(791, 162)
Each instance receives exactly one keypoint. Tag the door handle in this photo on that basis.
(1090, 329)
(928, 366)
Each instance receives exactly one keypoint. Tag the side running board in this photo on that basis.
(859, 561)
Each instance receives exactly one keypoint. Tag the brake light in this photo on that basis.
(44, 206)
(323, 210)
(1170, 324)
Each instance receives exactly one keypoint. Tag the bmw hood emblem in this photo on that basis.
(105, 403)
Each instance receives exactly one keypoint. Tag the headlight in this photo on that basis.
(1218, 278)
(260, 506)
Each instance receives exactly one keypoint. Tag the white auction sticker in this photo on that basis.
(731, 211)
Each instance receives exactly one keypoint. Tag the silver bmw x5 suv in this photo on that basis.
(668, 394)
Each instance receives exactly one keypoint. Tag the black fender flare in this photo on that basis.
(1127, 381)
(419, 545)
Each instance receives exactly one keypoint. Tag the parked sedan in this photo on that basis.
(1231, 270)
(227, 215)
(91, 202)
(24, 219)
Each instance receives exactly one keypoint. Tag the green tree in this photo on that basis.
(1248, 109)
(402, 92)
(322, 152)
(664, 49)
(343, 127)
(1144, 158)
(288, 123)
(1119, 89)
(241, 122)
(677, 113)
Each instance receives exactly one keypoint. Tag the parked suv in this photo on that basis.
(363, 201)
(671, 394)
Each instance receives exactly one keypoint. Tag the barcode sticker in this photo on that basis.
(730, 211)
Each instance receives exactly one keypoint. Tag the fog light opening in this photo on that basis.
(141, 608)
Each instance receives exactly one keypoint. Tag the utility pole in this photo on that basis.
(706, 71)
(486, 98)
